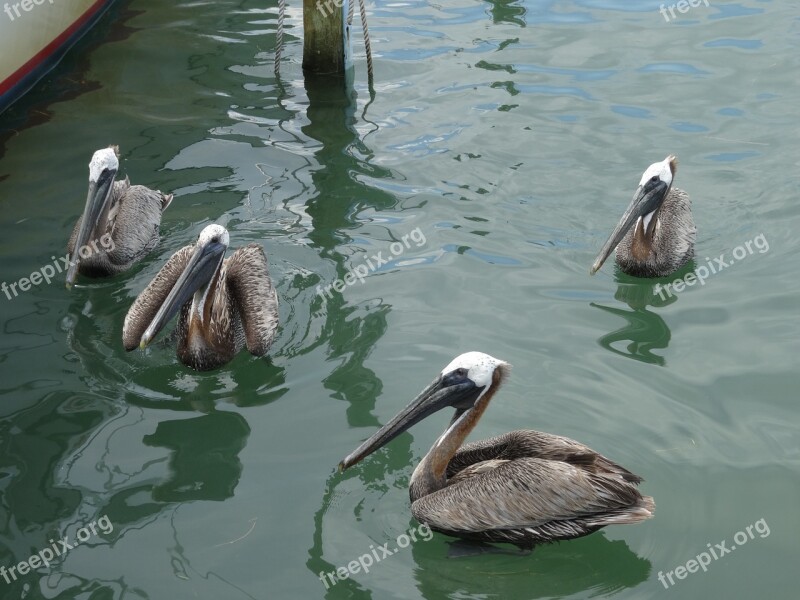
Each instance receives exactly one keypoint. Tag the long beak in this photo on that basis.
(199, 271)
(432, 399)
(96, 202)
(646, 199)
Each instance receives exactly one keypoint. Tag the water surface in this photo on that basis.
(511, 135)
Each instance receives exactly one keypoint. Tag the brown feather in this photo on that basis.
(146, 305)
(132, 220)
(241, 309)
(668, 243)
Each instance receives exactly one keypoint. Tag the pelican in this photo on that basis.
(123, 218)
(655, 237)
(524, 487)
(224, 304)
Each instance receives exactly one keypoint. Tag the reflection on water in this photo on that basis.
(204, 462)
(645, 330)
(508, 11)
(604, 568)
(351, 331)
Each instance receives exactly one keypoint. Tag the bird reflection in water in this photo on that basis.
(645, 330)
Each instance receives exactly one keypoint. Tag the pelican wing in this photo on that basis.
(247, 277)
(677, 237)
(532, 500)
(535, 444)
(136, 224)
(145, 307)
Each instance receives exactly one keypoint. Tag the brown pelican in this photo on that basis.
(224, 304)
(121, 217)
(524, 487)
(655, 236)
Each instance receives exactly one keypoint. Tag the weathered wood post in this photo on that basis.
(326, 43)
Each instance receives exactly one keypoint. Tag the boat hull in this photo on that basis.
(35, 35)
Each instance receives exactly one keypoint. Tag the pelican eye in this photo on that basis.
(456, 377)
(654, 179)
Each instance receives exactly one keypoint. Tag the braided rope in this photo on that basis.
(367, 46)
(279, 36)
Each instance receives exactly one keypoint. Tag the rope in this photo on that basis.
(279, 36)
(367, 46)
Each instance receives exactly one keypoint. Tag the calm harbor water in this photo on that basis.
(511, 135)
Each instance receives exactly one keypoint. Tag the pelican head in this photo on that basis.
(102, 171)
(460, 385)
(196, 281)
(653, 188)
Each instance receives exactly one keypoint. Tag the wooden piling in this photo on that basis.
(324, 37)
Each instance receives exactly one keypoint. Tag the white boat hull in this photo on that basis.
(35, 35)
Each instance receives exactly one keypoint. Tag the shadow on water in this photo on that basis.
(645, 330)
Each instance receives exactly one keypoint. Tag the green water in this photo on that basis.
(512, 134)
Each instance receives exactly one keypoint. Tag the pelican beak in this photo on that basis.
(646, 199)
(438, 395)
(96, 204)
(200, 270)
